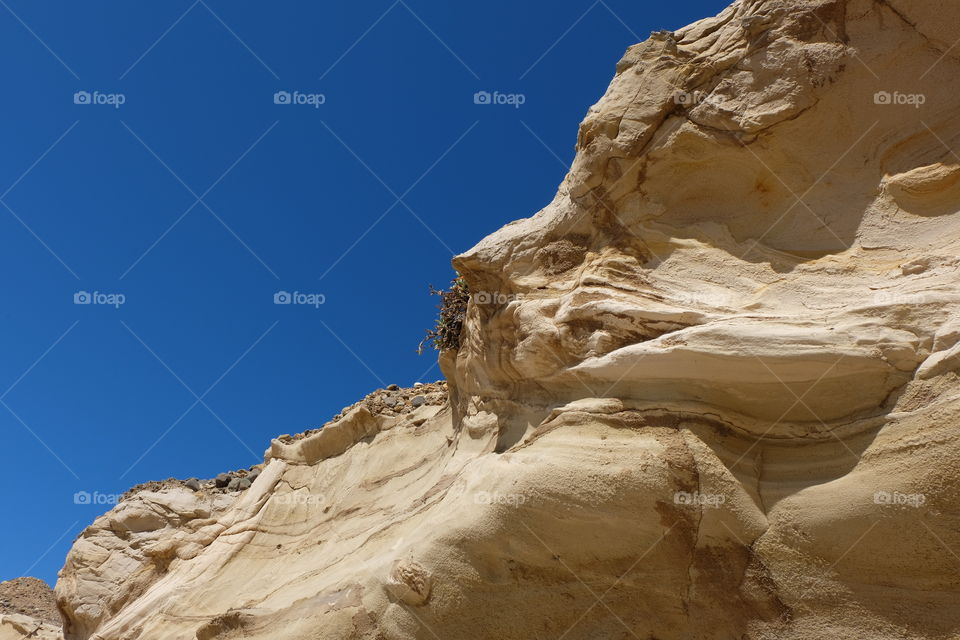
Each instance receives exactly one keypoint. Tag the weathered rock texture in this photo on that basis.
(15, 626)
(28, 609)
(712, 392)
(31, 597)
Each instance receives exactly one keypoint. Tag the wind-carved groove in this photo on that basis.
(699, 520)
(758, 467)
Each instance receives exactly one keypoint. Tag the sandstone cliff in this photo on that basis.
(712, 393)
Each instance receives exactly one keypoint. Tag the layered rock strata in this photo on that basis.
(710, 391)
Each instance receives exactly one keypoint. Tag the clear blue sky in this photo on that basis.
(198, 198)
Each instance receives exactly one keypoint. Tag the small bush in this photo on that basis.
(453, 310)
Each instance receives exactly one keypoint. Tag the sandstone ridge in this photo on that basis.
(715, 395)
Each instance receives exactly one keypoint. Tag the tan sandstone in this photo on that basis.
(716, 397)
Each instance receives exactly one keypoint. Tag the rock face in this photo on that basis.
(14, 626)
(710, 391)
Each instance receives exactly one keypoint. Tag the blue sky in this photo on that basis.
(147, 162)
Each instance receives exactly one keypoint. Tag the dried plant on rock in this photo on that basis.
(453, 309)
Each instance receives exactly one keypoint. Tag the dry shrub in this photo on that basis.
(453, 310)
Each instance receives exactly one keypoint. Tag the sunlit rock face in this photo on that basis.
(755, 253)
(710, 391)
(762, 209)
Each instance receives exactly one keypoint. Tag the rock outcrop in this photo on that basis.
(710, 391)
(15, 626)
(31, 597)
(28, 609)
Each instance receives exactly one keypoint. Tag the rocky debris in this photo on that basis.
(396, 401)
(152, 485)
(30, 597)
(391, 401)
(238, 483)
(222, 483)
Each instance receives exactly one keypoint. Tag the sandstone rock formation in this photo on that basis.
(30, 597)
(28, 610)
(15, 626)
(714, 396)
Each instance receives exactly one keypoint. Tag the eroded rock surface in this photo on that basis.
(711, 390)
(15, 626)
(28, 609)
(31, 597)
